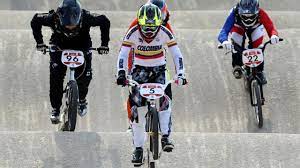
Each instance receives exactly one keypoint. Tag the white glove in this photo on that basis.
(181, 79)
(227, 45)
(274, 39)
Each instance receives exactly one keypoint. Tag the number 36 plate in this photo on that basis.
(72, 58)
(253, 57)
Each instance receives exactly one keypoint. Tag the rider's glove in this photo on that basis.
(121, 80)
(274, 39)
(54, 48)
(41, 47)
(227, 45)
(181, 79)
(103, 50)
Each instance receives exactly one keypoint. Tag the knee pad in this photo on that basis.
(165, 104)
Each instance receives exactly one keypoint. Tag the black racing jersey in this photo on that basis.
(80, 41)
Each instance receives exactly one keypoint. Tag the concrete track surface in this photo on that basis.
(88, 149)
(213, 122)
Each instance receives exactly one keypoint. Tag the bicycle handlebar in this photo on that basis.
(56, 49)
(131, 82)
(241, 49)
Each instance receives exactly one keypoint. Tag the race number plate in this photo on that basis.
(253, 57)
(72, 58)
(152, 90)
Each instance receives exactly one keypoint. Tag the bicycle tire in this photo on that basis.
(154, 143)
(152, 165)
(256, 96)
(73, 97)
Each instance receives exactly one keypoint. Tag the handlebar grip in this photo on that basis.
(281, 39)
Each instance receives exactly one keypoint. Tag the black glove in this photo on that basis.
(181, 79)
(103, 50)
(121, 80)
(41, 47)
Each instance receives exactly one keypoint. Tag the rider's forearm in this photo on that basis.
(105, 28)
(104, 23)
(36, 26)
(268, 23)
(122, 59)
(177, 58)
(223, 35)
(94, 19)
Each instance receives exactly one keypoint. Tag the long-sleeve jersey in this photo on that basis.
(232, 19)
(80, 41)
(150, 54)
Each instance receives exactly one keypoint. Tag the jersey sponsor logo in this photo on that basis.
(180, 64)
(149, 48)
(121, 63)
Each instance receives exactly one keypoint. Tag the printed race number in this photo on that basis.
(152, 90)
(253, 57)
(72, 58)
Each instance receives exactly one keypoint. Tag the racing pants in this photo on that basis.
(137, 118)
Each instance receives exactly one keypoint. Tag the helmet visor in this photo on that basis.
(69, 16)
(248, 6)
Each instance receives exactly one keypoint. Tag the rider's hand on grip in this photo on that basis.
(227, 45)
(274, 39)
(121, 80)
(103, 50)
(41, 47)
(181, 80)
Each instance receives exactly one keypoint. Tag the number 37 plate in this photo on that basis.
(253, 57)
(72, 58)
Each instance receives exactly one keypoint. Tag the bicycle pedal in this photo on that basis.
(139, 164)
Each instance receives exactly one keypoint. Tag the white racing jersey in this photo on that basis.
(150, 54)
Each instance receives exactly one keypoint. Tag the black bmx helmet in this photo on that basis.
(69, 13)
(248, 11)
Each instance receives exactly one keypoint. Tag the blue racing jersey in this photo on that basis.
(223, 35)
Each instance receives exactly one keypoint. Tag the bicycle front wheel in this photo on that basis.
(257, 102)
(72, 106)
(154, 133)
(152, 165)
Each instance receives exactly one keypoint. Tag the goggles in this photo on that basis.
(248, 17)
(147, 29)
